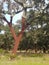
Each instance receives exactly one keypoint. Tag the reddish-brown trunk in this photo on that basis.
(17, 38)
(17, 43)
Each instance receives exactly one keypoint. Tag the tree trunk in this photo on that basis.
(35, 48)
(44, 50)
(17, 38)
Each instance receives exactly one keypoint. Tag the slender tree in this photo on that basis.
(9, 7)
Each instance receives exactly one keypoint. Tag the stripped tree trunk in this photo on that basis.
(17, 39)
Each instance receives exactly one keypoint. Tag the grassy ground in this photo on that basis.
(25, 59)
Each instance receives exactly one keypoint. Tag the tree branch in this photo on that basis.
(5, 20)
(11, 20)
(19, 3)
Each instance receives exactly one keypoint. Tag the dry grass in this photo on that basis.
(25, 59)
